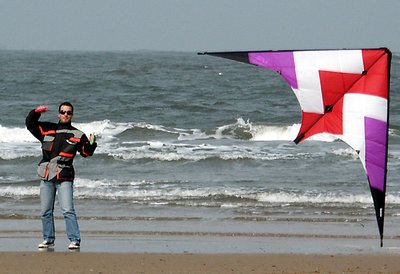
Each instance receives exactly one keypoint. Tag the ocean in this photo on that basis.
(195, 141)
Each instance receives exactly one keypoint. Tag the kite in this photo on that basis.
(341, 92)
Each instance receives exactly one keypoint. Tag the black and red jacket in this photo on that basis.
(60, 143)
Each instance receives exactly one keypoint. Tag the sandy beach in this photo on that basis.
(63, 262)
(115, 250)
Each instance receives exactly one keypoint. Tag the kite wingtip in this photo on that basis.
(299, 138)
(387, 50)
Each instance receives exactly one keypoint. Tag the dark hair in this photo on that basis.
(66, 104)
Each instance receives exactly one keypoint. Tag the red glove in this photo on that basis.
(41, 109)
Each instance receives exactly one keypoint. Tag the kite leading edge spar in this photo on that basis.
(341, 92)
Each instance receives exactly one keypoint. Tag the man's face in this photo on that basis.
(65, 114)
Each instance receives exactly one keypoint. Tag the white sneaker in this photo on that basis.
(46, 244)
(74, 246)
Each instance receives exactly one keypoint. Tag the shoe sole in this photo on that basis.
(44, 247)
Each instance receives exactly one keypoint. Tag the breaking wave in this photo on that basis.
(138, 140)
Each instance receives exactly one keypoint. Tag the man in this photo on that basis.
(60, 143)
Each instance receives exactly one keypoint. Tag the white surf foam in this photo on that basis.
(15, 135)
(164, 151)
(150, 191)
(285, 133)
(18, 142)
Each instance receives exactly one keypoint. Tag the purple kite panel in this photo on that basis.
(375, 152)
(282, 62)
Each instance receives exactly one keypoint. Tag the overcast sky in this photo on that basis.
(198, 25)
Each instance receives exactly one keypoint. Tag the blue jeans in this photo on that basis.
(65, 198)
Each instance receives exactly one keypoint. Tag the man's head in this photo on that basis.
(65, 112)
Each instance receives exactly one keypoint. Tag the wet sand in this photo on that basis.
(124, 248)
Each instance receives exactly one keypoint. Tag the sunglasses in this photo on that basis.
(62, 112)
